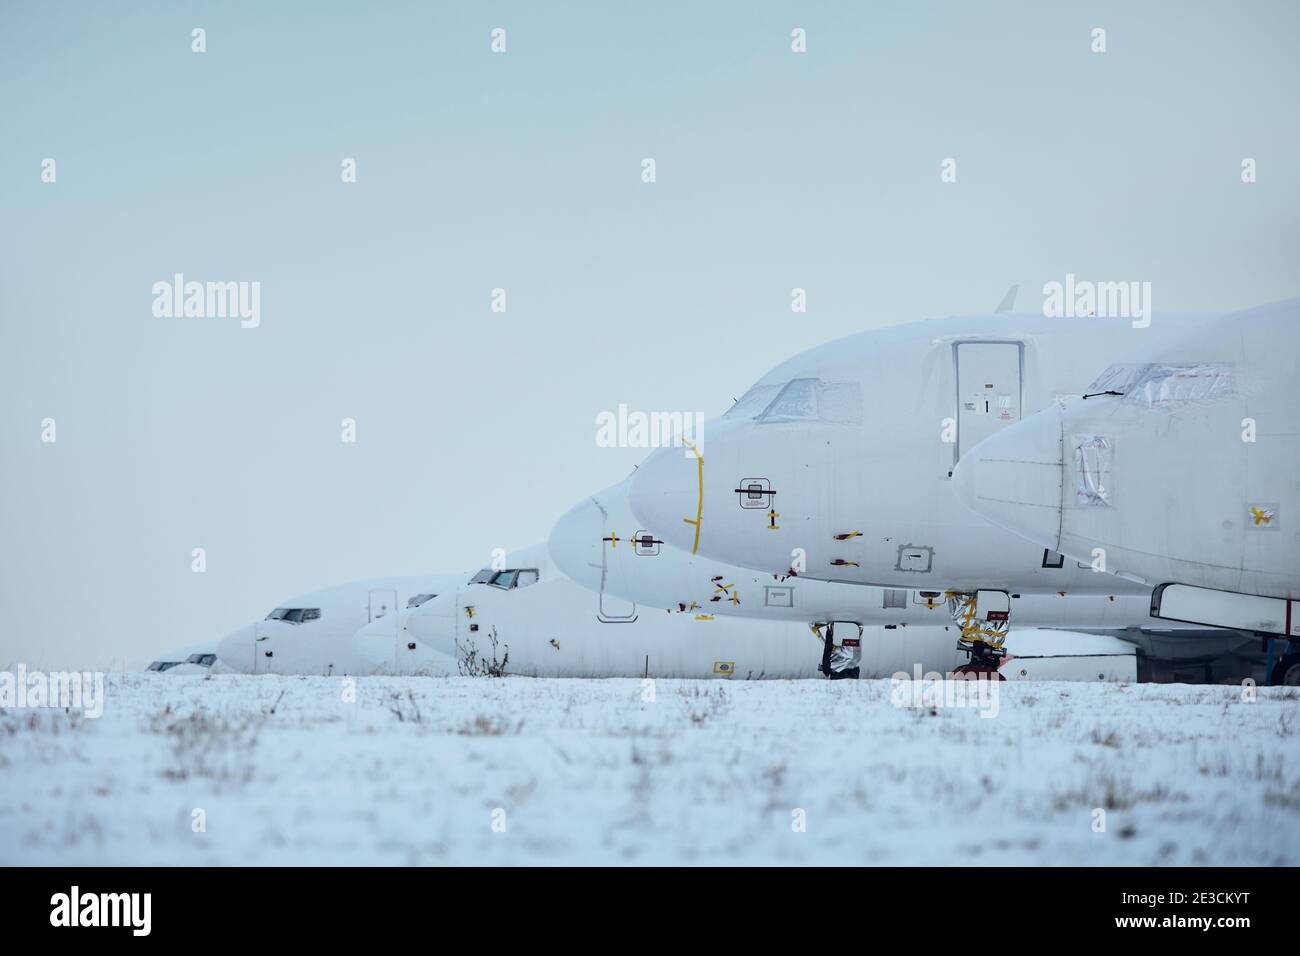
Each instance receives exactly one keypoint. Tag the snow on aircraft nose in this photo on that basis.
(576, 543)
(1015, 477)
(236, 649)
(667, 494)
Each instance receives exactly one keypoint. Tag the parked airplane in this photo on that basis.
(1177, 469)
(529, 619)
(199, 659)
(837, 464)
(600, 545)
(325, 632)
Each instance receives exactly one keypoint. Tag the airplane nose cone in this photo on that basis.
(387, 649)
(666, 494)
(235, 650)
(1015, 478)
(433, 623)
(576, 541)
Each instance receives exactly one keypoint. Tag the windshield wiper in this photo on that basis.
(1109, 391)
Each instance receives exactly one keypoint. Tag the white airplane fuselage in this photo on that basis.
(838, 463)
(349, 629)
(557, 628)
(1190, 476)
(602, 546)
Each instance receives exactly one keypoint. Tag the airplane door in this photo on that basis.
(988, 390)
(611, 609)
(383, 607)
(615, 610)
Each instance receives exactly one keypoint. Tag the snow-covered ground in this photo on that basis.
(462, 770)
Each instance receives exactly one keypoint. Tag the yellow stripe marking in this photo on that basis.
(699, 509)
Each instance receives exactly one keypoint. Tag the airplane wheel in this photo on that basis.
(1286, 672)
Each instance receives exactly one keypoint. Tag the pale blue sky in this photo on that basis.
(476, 170)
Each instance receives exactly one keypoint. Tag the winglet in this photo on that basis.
(1008, 301)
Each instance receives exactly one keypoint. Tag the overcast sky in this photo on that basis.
(478, 170)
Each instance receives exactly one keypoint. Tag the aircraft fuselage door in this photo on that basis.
(988, 390)
(615, 610)
(611, 609)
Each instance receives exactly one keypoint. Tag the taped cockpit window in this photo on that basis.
(753, 401)
(811, 399)
(1117, 378)
(1093, 459)
(839, 402)
(797, 402)
(1163, 385)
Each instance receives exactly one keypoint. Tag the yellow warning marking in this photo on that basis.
(771, 520)
(1262, 516)
(847, 535)
(469, 610)
(723, 588)
(704, 617)
(699, 508)
(693, 607)
(724, 667)
(735, 598)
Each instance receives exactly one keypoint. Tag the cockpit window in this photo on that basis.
(294, 615)
(1163, 385)
(507, 579)
(420, 599)
(1158, 385)
(811, 399)
(753, 401)
(160, 666)
(796, 402)
(203, 660)
(1117, 378)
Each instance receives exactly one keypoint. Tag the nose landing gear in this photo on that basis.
(842, 661)
(984, 618)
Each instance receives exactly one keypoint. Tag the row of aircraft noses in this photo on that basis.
(799, 481)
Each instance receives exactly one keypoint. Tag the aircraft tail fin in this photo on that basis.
(1009, 300)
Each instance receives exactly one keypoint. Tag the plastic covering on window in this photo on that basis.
(839, 402)
(811, 399)
(752, 402)
(1093, 456)
(1163, 385)
(1117, 378)
(796, 402)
